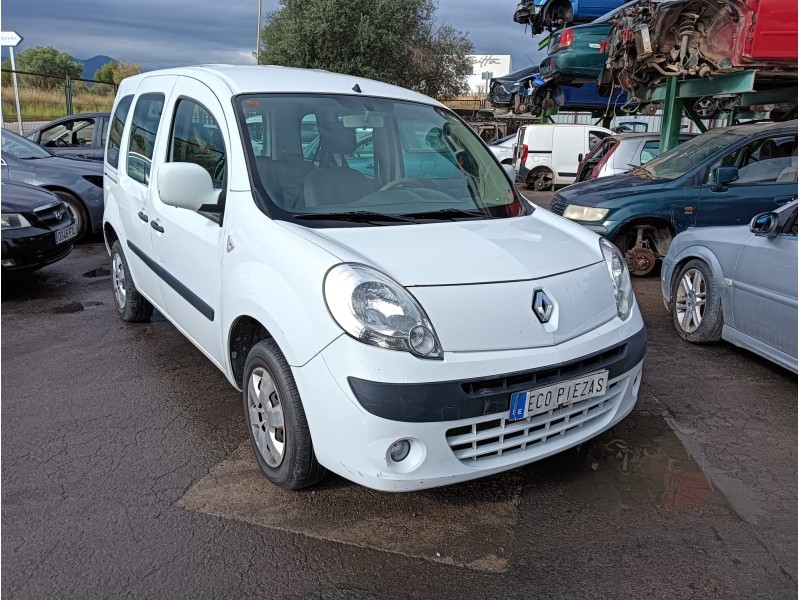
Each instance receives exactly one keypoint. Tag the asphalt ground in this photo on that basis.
(126, 473)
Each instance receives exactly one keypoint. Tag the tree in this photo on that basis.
(46, 60)
(125, 69)
(396, 41)
(106, 72)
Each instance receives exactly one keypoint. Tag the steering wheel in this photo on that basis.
(406, 181)
(60, 142)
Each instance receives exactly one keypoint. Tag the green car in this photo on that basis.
(722, 177)
(575, 54)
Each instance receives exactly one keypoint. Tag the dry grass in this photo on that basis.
(38, 104)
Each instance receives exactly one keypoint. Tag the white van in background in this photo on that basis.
(548, 154)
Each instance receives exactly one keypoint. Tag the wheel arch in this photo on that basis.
(707, 256)
(244, 332)
(661, 224)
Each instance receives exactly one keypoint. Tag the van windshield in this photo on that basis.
(334, 160)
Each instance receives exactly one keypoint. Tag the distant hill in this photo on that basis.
(90, 65)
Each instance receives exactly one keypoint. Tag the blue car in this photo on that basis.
(525, 91)
(551, 14)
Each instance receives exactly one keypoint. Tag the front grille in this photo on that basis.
(558, 204)
(529, 379)
(46, 216)
(492, 437)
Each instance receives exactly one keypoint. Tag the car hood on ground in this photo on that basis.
(608, 189)
(21, 197)
(464, 252)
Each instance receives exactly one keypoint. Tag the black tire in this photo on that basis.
(686, 307)
(78, 212)
(296, 466)
(131, 305)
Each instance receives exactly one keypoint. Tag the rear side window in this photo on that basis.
(115, 135)
(70, 134)
(144, 127)
(649, 152)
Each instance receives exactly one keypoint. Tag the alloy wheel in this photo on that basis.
(690, 301)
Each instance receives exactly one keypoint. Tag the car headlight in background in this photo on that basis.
(376, 310)
(620, 278)
(575, 212)
(14, 221)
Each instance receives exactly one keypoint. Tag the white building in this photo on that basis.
(496, 65)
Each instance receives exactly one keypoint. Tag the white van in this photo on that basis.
(354, 260)
(548, 154)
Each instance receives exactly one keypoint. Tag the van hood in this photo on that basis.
(604, 191)
(463, 252)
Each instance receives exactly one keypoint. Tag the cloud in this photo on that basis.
(168, 33)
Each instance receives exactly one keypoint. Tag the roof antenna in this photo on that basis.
(356, 89)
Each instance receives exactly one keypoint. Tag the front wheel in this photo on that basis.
(78, 211)
(276, 422)
(696, 304)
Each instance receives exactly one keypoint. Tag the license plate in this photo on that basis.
(563, 393)
(62, 235)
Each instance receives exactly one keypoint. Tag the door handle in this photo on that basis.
(157, 227)
(143, 216)
(785, 199)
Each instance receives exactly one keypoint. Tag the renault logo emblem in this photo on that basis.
(542, 306)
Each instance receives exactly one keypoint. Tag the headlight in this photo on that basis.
(14, 221)
(378, 311)
(574, 212)
(620, 278)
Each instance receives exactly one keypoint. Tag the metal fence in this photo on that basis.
(45, 97)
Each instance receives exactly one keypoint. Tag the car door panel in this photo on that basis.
(187, 245)
(765, 291)
(134, 204)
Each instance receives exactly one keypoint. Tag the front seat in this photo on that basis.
(331, 184)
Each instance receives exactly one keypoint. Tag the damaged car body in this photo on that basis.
(701, 39)
(548, 15)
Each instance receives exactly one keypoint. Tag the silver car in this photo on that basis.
(619, 153)
(738, 284)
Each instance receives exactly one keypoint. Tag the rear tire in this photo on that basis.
(276, 422)
(131, 305)
(697, 304)
(77, 210)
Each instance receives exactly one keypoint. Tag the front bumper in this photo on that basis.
(31, 248)
(359, 400)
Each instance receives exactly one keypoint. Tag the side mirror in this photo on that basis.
(185, 185)
(510, 171)
(765, 224)
(722, 176)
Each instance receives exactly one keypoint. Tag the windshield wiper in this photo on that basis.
(359, 216)
(640, 168)
(447, 213)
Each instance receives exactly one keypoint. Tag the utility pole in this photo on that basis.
(258, 34)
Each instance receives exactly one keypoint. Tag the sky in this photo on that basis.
(168, 33)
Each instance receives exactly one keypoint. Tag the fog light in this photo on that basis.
(399, 450)
(8, 263)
